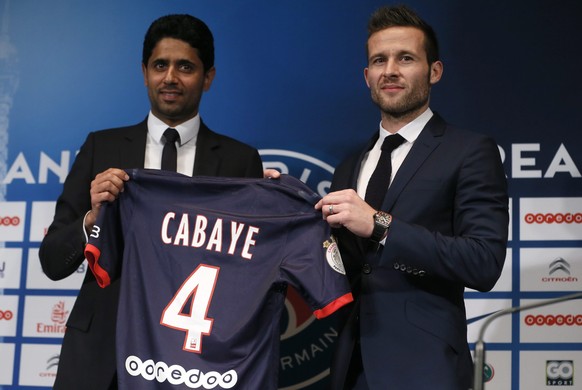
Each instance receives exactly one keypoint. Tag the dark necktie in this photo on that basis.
(170, 154)
(380, 179)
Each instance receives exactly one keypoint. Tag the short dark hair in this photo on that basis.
(186, 28)
(402, 16)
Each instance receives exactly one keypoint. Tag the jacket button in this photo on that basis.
(366, 269)
(396, 266)
(402, 267)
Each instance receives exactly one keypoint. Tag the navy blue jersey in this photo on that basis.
(204, 264)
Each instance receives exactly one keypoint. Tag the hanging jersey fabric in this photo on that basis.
(204, 264)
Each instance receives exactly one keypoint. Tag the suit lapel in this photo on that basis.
(355, 166)
(424, 145)
(132, 149)
(207, 161)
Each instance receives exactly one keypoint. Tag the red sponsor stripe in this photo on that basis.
(92, 254)
(333, 306)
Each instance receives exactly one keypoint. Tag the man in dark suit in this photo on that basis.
(178, 66)
(441, 226)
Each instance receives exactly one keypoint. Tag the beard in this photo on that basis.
(408, 105)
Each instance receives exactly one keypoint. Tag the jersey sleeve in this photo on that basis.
(105, 246)
(313, 265)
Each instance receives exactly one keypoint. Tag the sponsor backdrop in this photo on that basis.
(290, 82)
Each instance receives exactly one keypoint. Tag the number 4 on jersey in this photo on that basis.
(198, 288)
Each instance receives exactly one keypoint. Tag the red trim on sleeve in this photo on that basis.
(92, 254)
(333, 306)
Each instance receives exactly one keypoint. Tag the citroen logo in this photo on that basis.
(560, 264)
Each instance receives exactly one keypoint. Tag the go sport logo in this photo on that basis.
(306, 343)
(559, 373)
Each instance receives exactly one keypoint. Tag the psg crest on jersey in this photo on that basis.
(333, 257)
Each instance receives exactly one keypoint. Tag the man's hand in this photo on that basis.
(271, 174)
(106, 187)
(346, 208)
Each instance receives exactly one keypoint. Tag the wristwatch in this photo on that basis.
(382, 223)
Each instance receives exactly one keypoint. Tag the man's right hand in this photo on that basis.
(106, 187)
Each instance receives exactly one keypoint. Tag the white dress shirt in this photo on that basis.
(186, 147)
(409, 132)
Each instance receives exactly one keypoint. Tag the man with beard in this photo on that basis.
(417, 221)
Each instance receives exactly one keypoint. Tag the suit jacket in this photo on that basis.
(87, 359)
(449, 205)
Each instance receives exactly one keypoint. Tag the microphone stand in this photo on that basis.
(479, 361)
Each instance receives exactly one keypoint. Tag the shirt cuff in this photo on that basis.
(83, 227)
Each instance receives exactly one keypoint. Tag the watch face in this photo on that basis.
(383, 219)
(382, 222)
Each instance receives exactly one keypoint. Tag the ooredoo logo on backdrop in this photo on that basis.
(8, 315)
(551, 218)
(12, 218)
(306, 343)
(553, 320)
(559, 323)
